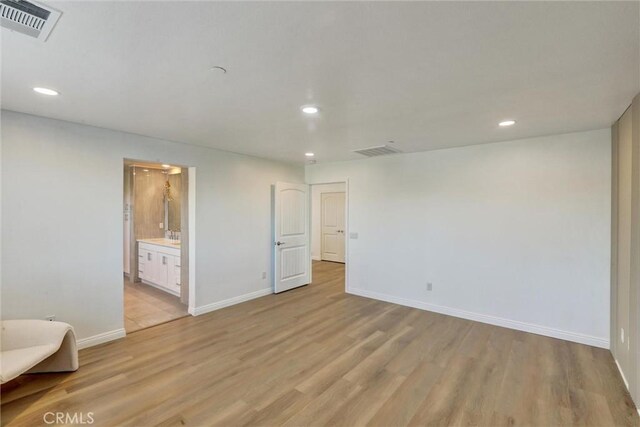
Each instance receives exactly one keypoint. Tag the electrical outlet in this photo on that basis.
(622, 335)
(50, 317)
(429, 286)
(161, 225)
(264, 274)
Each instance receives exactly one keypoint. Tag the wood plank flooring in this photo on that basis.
(317, 356)
(146, 306)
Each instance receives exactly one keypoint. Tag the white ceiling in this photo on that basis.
(424, 74)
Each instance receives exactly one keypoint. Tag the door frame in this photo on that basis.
(191, 201)
(347, 227)
(191, 232)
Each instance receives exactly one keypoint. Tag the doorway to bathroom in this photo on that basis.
(156, 247)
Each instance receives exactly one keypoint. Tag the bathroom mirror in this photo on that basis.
(173, 195)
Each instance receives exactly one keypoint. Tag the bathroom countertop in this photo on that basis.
(162, 242)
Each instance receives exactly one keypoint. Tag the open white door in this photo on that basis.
(292, 259)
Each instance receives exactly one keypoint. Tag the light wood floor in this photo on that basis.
(146, 306)
(317, 356)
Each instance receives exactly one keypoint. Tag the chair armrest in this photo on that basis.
(28, 333)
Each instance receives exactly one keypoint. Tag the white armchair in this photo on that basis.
(30, 346)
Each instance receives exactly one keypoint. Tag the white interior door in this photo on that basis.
(292, 259)
(332, 226)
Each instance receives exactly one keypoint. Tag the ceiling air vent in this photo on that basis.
(27, 17)
(380, 150)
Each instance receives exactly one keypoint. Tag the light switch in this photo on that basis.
(161, 225)
(353, 235)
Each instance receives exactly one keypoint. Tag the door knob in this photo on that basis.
(279, 243)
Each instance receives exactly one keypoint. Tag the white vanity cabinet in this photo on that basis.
(159, 264)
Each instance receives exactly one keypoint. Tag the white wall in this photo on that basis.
(514, 233)
(316, 215)
(62, 237)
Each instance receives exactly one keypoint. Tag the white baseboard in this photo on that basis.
(624, 379)
(231, 301)
(316, 258)
(100, 338)
(492, 320)
(626, 383)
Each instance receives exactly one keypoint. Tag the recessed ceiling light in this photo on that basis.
(309, 154)
(45, 91)
(309, 109)
(507, 123)
(166, 166)
(145, 170)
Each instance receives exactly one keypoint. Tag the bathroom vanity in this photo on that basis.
(159, 264)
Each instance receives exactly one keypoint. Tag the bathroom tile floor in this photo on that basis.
(146, 306)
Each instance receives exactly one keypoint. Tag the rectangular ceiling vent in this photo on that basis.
(380, 150)
(27, 17)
